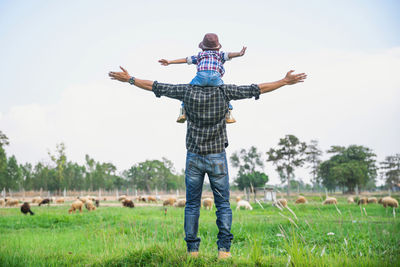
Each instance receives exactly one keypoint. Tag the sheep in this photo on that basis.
(329, 201)
(301, 200)
(122, 198)
(208, 203)
(238, 199)
(281, 202)
(151, 199)
(45, 201)
(83, 199)
(11, 202)
(362, 201)
(128, 203)
(97, 203)
(180, 203)
(372, 200)
(350, 200)
(389, 201)
(245, 204)
(142, 199)
(2, 202)
(169, 202)
(89, 205)
(25, 208)
(76, 205)
(36, 200)
(60, 200)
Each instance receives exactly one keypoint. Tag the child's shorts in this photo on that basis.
(207, 78)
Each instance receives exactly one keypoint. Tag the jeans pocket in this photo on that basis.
(218, 168)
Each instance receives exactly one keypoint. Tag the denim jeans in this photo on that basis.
(208, 78)
(216, 167)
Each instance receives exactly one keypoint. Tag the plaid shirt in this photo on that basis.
(206, 108)
(209, 60)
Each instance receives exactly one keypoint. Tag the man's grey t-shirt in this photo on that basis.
(206, 108)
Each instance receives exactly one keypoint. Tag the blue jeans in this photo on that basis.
(216, 167)
(208, 78)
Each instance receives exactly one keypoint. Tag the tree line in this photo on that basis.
(60, 173)
(347, 168)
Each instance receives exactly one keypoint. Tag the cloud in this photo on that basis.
(349, 98)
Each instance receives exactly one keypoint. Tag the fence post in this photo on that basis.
(135, 192)
(9, 190)
(99, 193)
(40, 194)
(4, 192)
(65, 193)
(23, 194)
(116, 193)
(177, 193)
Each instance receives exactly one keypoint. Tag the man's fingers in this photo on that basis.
(124, 70)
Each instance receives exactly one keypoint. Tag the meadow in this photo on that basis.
(148, 236)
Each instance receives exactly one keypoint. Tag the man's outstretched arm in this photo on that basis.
(288, 80)
(124, 77)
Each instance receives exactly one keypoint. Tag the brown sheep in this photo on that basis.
(169, 202)
(76, 205)
(180, 203)
(45, 201)
(329, 201)
(97, 203)
(208, 203)
(36, 200)
(83, 199)
(2, 202)
(372, 200)
(11, 202)
(362, 201)
(301, 200)
(389, 201)
(128, 203)
(89, 205)
(151, 199)
(238, 199)
(281, 202)
(60, 200)
(142, 199)
(350, 200)
(25, 208)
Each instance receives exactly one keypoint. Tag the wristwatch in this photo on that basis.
(132, 80)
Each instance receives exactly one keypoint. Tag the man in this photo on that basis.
(206, 140)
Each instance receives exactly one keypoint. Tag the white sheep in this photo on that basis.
(245, 204)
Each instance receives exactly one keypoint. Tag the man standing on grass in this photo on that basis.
(206, 140)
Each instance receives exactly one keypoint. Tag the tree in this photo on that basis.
(313, 157)
(287, 156)
(391, 170)
(14, 174)
(150, 174)
(3, 160)
(248, 162)
(60, 160)
(27, 176)
(348, 167)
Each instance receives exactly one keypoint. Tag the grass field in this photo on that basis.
(145, 236)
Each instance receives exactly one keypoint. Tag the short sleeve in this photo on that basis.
(175, 91)
(234, 92)
(224, 56)
(192, 60)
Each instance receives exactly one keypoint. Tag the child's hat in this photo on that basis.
(210, 42)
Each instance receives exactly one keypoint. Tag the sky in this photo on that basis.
(55, 57)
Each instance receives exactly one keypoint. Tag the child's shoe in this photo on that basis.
(229, 118)
(224, 255)
(182, 116)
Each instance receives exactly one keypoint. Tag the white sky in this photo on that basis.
(55, 59)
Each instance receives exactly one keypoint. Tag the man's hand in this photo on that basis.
(120, 76)
(164, 62)
(243, 51)
(294, 78)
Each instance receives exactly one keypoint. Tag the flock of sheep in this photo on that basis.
(90, 203)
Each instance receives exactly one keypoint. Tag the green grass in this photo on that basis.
(144, 236)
